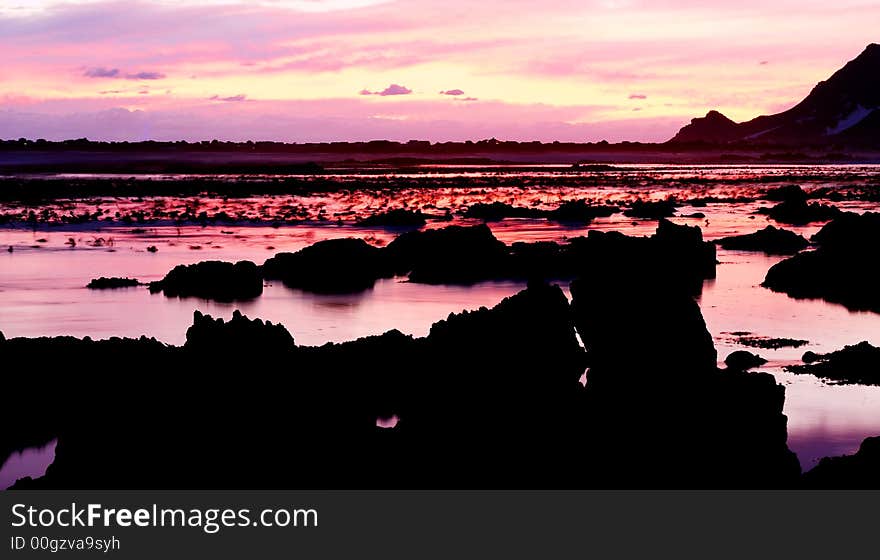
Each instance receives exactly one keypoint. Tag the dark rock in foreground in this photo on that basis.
(331, 266)
(842, 270)
(858, 471)
(216, 280)
(104, 283)
(401, 218)
(770, 240)
(654, 387)
(740, 360)
(859, 363)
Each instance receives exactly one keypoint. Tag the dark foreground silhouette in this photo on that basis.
(490, 398)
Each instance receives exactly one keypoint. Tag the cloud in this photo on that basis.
(230, 99)
(452, 92)
(637, 96)
(115, 73)
(101, 72)
(393, 89)
(466, 99)
(145, 76)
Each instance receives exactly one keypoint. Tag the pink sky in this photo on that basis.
(323, 70)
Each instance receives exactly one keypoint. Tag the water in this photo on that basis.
(42, 282)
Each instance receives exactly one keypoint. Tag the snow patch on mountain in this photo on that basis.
(855, 117)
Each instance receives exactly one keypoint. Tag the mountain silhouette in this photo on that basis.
(842, 109)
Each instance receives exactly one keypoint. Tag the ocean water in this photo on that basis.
(43, 279)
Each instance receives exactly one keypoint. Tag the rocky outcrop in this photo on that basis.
(769, 240)
(452, 255)
(331, 266)
(654, 388)
(859, 363)
(741, 360)
(104, 283)
(651, 210)
(842, 270)
(858, 471)
(216, 280)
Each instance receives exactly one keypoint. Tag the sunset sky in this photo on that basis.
(319, 70)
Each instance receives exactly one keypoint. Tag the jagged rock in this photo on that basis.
(253, 336)
(741, 360)
(651, 210)
(331, 266)
(858, 471)
(400, 217)
(770, 240)
(859, 363)
(655, 390)
(842, 270)
(104, 283)
(217, 280)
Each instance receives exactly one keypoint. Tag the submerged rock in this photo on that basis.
(395, 218)
(859, 363)
(651, 210)
(579, 211)
(800, 212)
(495, 211)
(333, 266)
(216, 280)
(842, 270)
(741, 360)
(770, 240)
(104, 283)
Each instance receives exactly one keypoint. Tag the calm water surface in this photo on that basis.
(42, 290)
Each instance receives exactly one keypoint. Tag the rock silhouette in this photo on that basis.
(489, 399)
(653, 375)
(104, 283)
(400, 218)
(495, 211)
(859, 363)
(841, 270)
(652, 210)
(331, 266)
(858, 471)
(216, 280)
(769, 240)
(741, 360)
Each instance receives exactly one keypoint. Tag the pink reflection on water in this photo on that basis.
(42, 281)
(31, 462)
(387, 423)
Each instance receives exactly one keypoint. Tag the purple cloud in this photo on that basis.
(452, 92)
(145, 76)
(101, 72)
(230, 99)
(115, 73)
(637, 96)
(393, 89)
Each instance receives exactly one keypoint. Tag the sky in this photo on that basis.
(439, 70)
